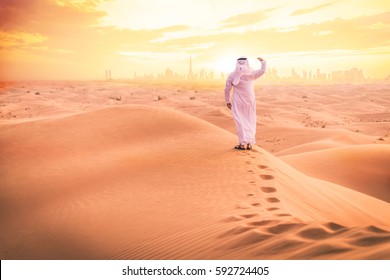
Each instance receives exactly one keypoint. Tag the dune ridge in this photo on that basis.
(364, 168)
(151, 182)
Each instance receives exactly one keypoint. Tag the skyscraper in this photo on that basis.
(190, 73)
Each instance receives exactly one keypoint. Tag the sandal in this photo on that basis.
(249, 147)
(240, 147)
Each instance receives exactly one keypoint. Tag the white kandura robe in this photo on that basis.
(244, 102)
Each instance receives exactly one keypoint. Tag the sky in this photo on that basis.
(80, 39)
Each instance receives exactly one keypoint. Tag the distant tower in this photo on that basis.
(190, 73)
(108, 74)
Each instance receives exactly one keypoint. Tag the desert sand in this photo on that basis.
(142, 170)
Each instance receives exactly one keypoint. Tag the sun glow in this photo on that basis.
(225, 63)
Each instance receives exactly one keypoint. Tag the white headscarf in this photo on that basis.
(242, 68)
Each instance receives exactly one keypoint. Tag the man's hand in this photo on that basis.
(229, 105)
(260, 59)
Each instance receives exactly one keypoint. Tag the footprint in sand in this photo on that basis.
(272, 199)
(268, 189)
(334, 226)
(236, 218)
(262, 223)
(250, 194)
(266, 177)
(262, 166)
(243, 205)
(375, 229)
(281, 228)
(283, 215)
(248, 216)
(272, 208)
(315, 233)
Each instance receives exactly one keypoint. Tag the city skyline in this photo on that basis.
(352, 75)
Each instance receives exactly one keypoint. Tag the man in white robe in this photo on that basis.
(243, 102)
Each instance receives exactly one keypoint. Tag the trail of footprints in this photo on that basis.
(254, 231)
(269, 191)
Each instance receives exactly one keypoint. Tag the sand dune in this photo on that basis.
(151, 182)
(365, 168)
(315, 140)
